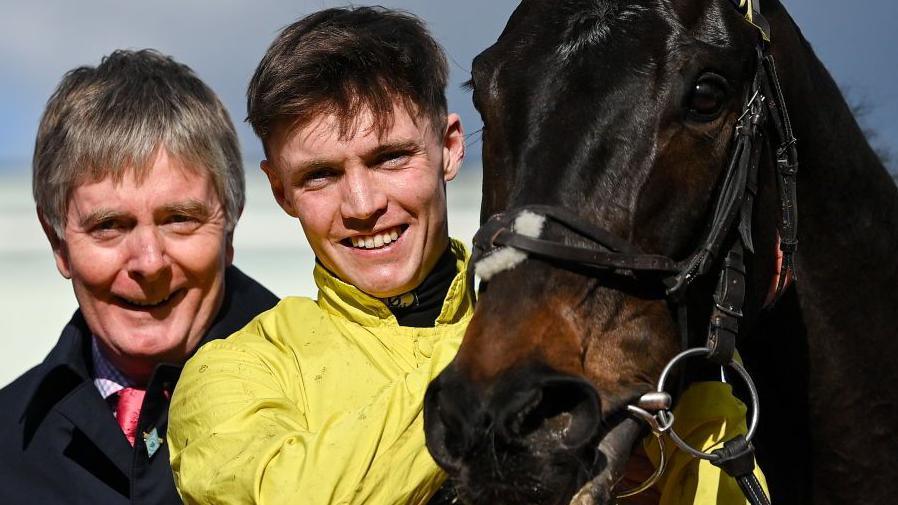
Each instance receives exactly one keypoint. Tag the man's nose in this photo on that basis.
(148, 258)
(363, 195)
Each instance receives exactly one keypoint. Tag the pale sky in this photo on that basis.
(223, 41)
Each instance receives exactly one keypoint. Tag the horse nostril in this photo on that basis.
(525, 412)
(452, 423)
(559, 408)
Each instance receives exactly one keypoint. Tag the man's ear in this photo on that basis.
(60, 252)
(229, 249)
(453, 147)
(229, 240)
(277, 187)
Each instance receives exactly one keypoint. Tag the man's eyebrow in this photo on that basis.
(394, 146)
(317, 164)
(191, 207)
(99, 215)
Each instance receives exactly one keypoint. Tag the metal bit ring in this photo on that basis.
(666, 416)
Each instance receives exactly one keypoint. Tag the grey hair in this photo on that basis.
(112, 120)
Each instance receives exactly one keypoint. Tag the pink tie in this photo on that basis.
(127, 411)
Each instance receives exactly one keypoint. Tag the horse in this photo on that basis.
(622, 118)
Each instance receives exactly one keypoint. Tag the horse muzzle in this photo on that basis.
(530, 436)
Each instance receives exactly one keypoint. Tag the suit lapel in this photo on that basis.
(89, 414)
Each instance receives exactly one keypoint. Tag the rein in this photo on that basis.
(729, 236)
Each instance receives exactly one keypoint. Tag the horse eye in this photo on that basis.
(708, 97)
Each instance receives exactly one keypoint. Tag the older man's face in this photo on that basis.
(147, 262)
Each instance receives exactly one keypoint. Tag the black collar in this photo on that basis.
(421, 307)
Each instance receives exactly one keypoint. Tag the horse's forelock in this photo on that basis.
(586, 27)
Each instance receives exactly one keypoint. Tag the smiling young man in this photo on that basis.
(138, 184)
(373, 206)
(320, 401)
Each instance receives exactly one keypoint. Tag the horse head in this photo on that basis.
(620, 113)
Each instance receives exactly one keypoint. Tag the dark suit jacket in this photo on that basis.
(59, 442)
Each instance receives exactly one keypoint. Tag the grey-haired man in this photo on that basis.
(138, 185)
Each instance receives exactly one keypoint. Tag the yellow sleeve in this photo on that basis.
(236, 438)
(706, 416)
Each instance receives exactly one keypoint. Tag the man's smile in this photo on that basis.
(143, 303)
(376, 240)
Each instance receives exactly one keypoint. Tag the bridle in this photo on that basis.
(729, 236)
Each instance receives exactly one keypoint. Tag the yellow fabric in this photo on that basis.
(315, 403)
(706, 415)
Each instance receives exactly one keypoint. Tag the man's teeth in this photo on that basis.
(375, 241)
(146, 303)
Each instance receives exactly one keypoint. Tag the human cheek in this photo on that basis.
(201, 256)
(416, 191)
(96, 268)
(318, 212)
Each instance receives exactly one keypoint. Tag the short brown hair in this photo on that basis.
(112, 120)
(341, 61)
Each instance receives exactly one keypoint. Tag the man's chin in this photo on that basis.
(384, 282)
(387, 289)
(152, 343)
